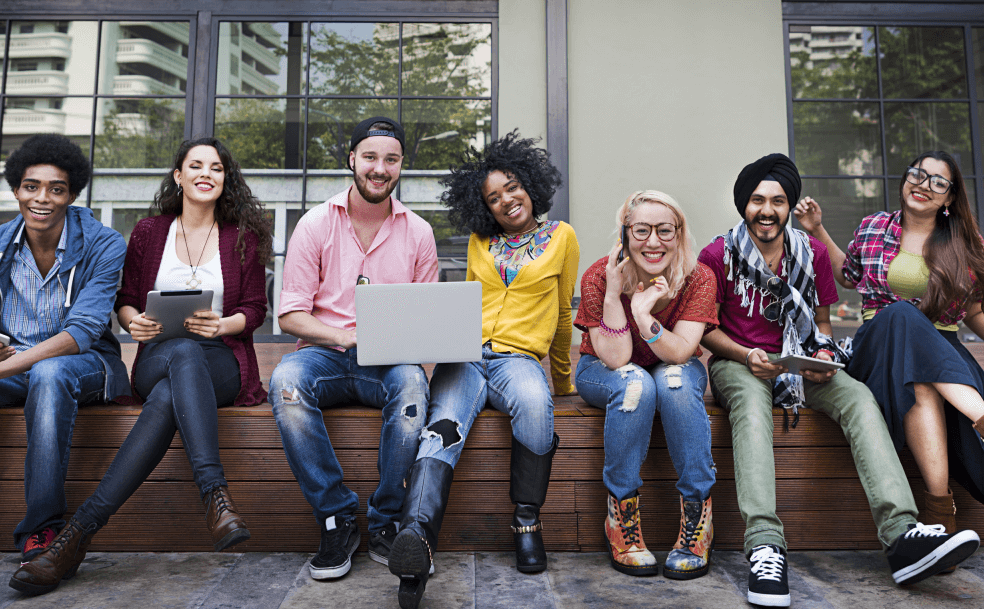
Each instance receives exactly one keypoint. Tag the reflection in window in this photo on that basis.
(867, 100)
(138, 132)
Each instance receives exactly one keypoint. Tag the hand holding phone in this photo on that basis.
(623, 254)
(4, 340)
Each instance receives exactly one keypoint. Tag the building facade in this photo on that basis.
(628, 95)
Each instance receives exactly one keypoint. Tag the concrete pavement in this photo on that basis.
(849, 580)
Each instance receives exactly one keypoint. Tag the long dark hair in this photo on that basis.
(953, 248)
(236, 205)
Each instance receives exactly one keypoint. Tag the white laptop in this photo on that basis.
(418, 323)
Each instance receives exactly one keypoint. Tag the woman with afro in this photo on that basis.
(528, 268)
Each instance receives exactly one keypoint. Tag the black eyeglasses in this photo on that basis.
(937, 183)
(665, 231)
(775, 286)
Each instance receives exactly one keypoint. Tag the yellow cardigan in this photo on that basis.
(533, 314)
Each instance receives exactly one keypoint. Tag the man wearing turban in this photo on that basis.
(774, 291)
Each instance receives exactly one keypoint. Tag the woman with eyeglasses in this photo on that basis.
(528, 268)
(644, 309)
(918, 273)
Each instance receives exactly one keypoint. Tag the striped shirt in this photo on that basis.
(34, 310)
(875, 245)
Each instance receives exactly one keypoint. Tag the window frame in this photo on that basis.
(963, 14)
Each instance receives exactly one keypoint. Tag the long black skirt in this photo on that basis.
(900, 347)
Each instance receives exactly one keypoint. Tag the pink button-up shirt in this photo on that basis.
(325, 259)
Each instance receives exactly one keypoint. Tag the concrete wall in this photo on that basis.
(523, 67)
(675, 96)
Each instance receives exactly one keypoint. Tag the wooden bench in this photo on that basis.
(821, 501)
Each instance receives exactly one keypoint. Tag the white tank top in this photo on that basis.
(174, 275)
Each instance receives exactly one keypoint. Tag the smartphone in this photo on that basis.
(625, 245)
(4, 340)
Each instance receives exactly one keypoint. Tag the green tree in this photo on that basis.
(140, 133)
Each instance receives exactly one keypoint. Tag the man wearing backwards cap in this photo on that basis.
(360, 235)
(774, 293)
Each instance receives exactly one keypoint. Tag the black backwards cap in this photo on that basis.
(775, 167)
(362, 131)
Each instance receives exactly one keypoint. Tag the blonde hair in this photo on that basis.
(686, 258)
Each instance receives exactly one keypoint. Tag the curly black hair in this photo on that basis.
(513, 156)
(236, 204)
(49, 149)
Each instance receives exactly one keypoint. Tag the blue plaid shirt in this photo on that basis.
(34, 310)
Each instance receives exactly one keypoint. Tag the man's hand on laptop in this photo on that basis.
(345, 338)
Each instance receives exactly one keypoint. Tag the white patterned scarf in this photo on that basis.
(798, 298)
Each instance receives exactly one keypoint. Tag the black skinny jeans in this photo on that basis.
(182, 382)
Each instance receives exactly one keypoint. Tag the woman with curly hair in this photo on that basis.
(528, 269)
(644, 308)
(210, 234)
(918, 271)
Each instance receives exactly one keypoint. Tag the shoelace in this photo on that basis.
(767, 564)
(925, 530)
(689, 534)
(58, 545)
(630, 524)
(39, 539)
(221, 502)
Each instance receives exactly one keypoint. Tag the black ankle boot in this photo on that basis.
(423, 510)
(528, 480)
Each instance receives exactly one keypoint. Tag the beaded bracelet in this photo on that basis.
(606, 330)
(829, 353)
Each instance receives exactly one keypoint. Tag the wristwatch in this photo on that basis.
(657, 330)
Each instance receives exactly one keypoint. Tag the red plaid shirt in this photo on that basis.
(876, 243)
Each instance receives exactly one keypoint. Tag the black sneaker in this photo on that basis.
(338, 542)
(768, 582)
(926, 550)
(381, 544)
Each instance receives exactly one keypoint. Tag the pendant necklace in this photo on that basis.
(194, 281)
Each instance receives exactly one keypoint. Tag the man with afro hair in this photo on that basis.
(59, 267)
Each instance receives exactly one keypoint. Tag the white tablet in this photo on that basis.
(170, 309)
(797, 363)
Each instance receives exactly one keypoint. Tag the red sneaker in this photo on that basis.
(37, 543)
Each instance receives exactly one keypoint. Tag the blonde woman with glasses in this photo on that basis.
(644, 308)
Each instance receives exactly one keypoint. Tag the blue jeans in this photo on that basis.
(318, 377)
(631, 396)
(51, 391)
(182, 382)
(511, 382)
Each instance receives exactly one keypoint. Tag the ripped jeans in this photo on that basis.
(512, 383)
(318, 377)
(631, 396)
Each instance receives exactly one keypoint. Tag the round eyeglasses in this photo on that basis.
(937, 183)
(665, 231)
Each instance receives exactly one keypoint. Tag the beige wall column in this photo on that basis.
(676, 96)
(523, 67)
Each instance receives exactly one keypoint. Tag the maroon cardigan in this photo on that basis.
(244, 288)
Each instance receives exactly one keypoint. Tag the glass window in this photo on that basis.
(868, 99)
(435, 78)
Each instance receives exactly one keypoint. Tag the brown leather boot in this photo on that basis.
(223, 520)
(59, 561)
(940, 509)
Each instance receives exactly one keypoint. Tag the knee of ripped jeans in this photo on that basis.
(635, 386)
(446, 433)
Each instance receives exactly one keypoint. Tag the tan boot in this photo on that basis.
(58, 562)
(223, 520)
(940, 509)
(691, 555)
(626, 548)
